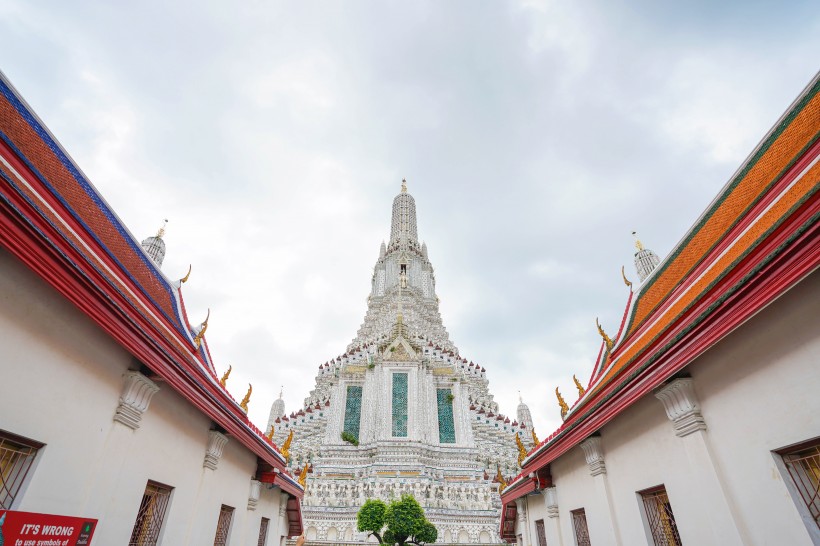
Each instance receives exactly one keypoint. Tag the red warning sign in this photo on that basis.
(30, 529)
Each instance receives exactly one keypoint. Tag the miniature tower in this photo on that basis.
(523, 413)
(155, 246)
(645, 259)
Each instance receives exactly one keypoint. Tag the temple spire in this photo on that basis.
(155, 246)
(645, 259)
(403, 232)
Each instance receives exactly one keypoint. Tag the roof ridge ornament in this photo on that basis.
(245, 401)
(562, 403)
(578, 386)
(607, 340)
(225, 376)
(627, 282)
(201, 332)
(184, 279)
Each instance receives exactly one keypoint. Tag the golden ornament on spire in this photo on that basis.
(562, 403)
(303, 475)
(626, 281)
(607, 340)
(225, 376)
(161, 231)
(522, 451)
(502, 484)
(244, 403)
(286, 446)
(202, 328)
(638, 243)
(578, 386)
(534, 437)
(404, 185)
(184, 279)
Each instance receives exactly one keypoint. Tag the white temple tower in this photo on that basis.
(645, 260)
(155, 246)
(401, 411)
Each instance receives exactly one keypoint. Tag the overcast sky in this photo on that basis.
(535, 137)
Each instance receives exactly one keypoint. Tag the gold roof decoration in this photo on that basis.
(627, 282)
(578, 386)
(225, 376)
(502, 483)
(534, 436)
(184, 279)
(303, 476)
(562, 403)
(638, 243)
(270, 434)
(244, 403)
(607, 340)
(202, 328)
(286, 446)
(522, 451)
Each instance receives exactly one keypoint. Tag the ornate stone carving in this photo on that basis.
(216, 444)
(253, 494)
(681, 405)
(594, 455)
(137, 392)
(551, 501)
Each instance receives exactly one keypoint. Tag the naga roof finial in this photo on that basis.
(185, 278)
(303, 475)
(502, 484)
(522, 451)
(534, 436)
(578, 386)
(226, 375)
(562, 404)
(244, 403)
(607, 340)
(202, 328)
(627, 282)
(404, 185)
(286, 446)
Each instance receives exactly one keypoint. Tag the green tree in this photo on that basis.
(402, 522)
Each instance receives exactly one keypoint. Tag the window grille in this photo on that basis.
(16, 457)
(446, 427)
(263, 532)
(400, 405)
(579, 523)
(542, 534)
(353, 410)
(803, 464)
(150, 515)
(659, 515)
(223, 526)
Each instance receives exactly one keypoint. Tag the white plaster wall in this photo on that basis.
(758, 393)
(61, 385)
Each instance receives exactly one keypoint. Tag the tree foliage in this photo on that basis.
(402, 522)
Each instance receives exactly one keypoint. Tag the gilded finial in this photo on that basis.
(626, 281)
(270, 434)
(638, 243)
(502, 484)
(522, 451)
(303, 475)
(203, 327)
(244, 403)
(185, 278)
(225, 376)
(562, 403)
(578, 386)
(161, 230)
(286, 446)
(404, 185)
(607, 339)
(534, 436)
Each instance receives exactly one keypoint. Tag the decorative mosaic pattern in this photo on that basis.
(400, 405)
(446, 427)
(353, 410)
